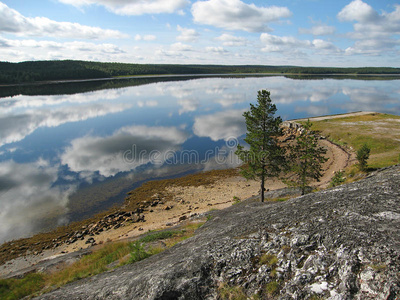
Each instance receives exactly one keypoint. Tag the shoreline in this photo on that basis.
(182, 199)
(37, 83)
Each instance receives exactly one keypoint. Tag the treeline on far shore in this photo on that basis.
(37, 71)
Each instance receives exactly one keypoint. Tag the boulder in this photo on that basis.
(341, 243)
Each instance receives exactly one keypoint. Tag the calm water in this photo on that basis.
(70, 150)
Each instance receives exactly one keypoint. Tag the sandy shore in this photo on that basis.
(187, 202)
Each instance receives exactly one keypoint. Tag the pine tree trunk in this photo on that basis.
(262, 188)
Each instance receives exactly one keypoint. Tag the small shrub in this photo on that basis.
(236, 200)
(337, 179)
(227, 292)
(138, 252)
(362, 157)
(269, 259)
(272, 288)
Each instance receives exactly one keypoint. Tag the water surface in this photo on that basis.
(70, 150)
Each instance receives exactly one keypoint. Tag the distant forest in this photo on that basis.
(38, 71)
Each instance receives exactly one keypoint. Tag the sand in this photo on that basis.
(187, 202)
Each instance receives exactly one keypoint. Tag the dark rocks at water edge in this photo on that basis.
(111, 221)
(341, 243)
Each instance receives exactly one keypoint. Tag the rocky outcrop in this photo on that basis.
(341, 243)
(111, 221)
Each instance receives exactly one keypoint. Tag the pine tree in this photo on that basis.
(307, 157)
(362, 157)
(265, 158)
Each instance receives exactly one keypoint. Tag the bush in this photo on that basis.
(138, 252)
(337, 179)
(362, 157)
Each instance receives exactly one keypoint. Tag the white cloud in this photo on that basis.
(318, 30)
(324, 46)
(15, 127)
(232, 41)
(313, 110)
(374, 33)
(359, 11)
(237, 15)
(367, 98)
(187, 35)
(11, 21)
(126, 149)
(220, 126)
(188, 105)
(12, 104)
(289, 44)
(181, 47)
(19, 50)
(29, 201)
(218, 50)
(134, 7)
(227, 100)
(148, 103)
(148, 37)
(274, 43)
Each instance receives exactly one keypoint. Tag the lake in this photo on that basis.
(70, 150)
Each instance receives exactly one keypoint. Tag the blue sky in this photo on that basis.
(286, 32)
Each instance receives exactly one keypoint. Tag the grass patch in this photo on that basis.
(236, 200)
(91, 264)
(161, 235)
(280, 199)
(19, 288)
(268, 259)
(381, 132)
(379, 268)
(226, 292)
(95, 263)
(272, 288)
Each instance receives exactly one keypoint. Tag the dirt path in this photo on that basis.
(338, 159)
(358, 113)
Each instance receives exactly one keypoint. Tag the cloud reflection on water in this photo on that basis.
(192, 115)
(29, 199)
(106, 154)
(15, 127)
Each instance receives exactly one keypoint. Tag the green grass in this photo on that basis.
(95, 263)
(272, 288)
(236, 200)
(381, 132)
(91, 264)
(19, 288)
(268, 259)
(226, 292)
(161, 235)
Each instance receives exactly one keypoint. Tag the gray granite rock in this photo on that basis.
(341, 243)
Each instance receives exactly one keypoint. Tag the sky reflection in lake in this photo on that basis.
(52, 147)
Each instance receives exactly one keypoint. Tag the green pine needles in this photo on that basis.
(307, 157)
(268, 158)
(362, 157)
(265, 158)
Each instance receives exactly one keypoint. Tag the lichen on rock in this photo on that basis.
(341, 243)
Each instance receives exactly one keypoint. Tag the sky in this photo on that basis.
(330, 33)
